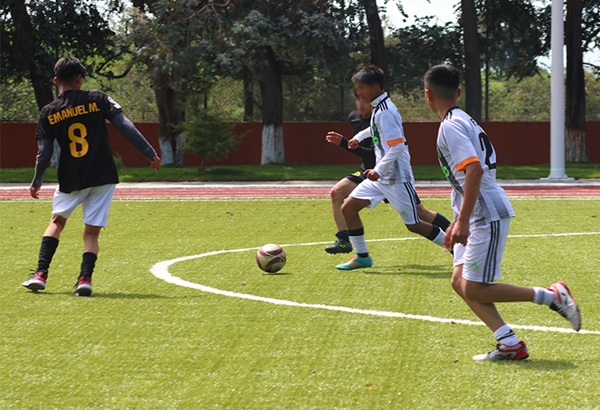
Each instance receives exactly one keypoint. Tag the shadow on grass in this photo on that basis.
(430, 271)
(539, 364)
(117, 295)
(278, 274)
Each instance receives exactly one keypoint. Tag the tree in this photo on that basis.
(35, 34)
(576, 141)
(285, 38)
(469, 23)
(376, 36)
(179, 45)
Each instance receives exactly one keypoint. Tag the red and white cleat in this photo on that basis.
(565, 305)
(37, 281)
(516, 352)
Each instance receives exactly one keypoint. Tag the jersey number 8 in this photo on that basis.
(79, 146)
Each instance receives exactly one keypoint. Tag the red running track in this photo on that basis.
(232, 192)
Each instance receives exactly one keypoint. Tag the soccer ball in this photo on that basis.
(271, 258)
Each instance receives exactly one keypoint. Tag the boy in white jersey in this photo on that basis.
(482, 215)
(392, 177)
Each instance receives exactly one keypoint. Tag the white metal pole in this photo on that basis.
(557, 92)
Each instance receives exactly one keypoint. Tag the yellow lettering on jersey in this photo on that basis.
(70, 112)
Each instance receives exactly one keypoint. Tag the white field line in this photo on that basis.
(161, 271)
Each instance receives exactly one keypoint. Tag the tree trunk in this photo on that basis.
(28, 50)
(171, 116)
(271, 90)
(576, 133)
(472, 59)
(376, 36)
(248, 95)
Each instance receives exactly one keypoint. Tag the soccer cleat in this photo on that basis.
(37, 281)
(356, 262)
(339, 246)
(565, 305)
(516, 352)
(83, 287)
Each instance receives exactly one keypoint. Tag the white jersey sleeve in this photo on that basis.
(363, 135)
(392, 135)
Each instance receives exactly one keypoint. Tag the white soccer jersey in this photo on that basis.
(461, 141)
(391, 149)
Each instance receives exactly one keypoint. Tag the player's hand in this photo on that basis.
(372, 174)
(334, 138)
(34, 192)
(155, 163)
(459, 233)
(353, 143)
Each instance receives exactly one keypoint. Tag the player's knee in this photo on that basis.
(414, 228)
(336, 194)
(348, 209)
(473, 292)
(457, 284)
(59, 221)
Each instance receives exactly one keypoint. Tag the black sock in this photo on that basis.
(343, 235)
(441, 221)
(356, 232)
(363, 255)
(47, 250)
(88, 264)
(435, 231)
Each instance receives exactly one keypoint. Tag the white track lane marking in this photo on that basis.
(161, 271)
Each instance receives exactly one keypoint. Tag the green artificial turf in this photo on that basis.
(291, 173)
(141, 342)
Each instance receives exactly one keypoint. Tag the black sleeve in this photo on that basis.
(111, 108)
(133, 135)
(362, 151)
(42, 162)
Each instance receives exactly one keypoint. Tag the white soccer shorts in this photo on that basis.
(95, 202)
(402, 196)
(482, 255)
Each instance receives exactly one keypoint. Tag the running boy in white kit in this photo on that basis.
(482, 214)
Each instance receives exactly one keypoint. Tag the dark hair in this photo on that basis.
(443, 80)
(68, 68)
(370, 75)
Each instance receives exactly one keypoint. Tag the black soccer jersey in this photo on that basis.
(77, 120)
(365, 150)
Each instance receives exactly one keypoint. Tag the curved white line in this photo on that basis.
(161, 271)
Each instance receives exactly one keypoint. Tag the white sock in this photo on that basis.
(359, 244)
(543, 296)
(439, 239)
(506, 336)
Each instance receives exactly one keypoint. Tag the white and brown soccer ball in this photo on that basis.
(271, 258)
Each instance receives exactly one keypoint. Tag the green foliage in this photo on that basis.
(17, 101)
(208, 135)
(66, 27)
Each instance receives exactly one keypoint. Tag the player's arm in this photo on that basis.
(460, 230)
(465, 157)
(135, 138)
(354, 143)
(391, 134)
(44, 156)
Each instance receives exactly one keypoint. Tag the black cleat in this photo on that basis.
(339, 246)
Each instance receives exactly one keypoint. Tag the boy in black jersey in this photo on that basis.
(87, 174)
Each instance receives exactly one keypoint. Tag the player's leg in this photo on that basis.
(338, 195)
(483, 256)
(432, 217)
(63, 206)
(367, 194)
(404, 199)
(96, 207)
(509, 346)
